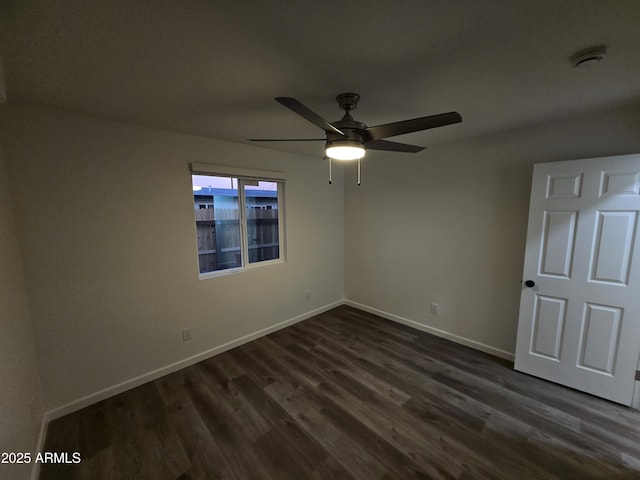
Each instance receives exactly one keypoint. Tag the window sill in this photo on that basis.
(233, 271)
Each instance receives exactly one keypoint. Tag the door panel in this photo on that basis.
(557, 244)
(580, 324)
(614, 239)
(622, 184)
(599, 339)
(548, 325)
(564, 186)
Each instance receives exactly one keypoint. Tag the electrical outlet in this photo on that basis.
(307, 295)
(435, 309)
(186, 334)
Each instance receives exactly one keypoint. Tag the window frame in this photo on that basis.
(243, 176)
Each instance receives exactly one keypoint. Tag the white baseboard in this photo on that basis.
(497, 352)
(105, 393)
(155, 374)
(635, 402)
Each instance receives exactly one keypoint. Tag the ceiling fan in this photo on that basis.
(348, 139)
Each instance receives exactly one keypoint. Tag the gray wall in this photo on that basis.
(449, 226)
(21, 408)
(106, 225)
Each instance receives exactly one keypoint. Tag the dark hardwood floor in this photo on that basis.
(348, 395)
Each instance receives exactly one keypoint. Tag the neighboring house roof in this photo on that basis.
(227, 192)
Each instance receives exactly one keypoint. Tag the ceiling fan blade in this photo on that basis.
(287, 139)
(307, 114)
(413, 125)
(392, 146)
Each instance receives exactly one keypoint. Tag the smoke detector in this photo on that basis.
(588, 57)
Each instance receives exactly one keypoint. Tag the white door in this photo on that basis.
(579, 325)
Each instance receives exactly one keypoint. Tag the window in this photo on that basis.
(238, 215)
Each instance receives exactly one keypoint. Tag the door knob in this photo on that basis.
(530, 283)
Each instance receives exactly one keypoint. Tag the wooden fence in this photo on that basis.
(218, 232)
(212, 214)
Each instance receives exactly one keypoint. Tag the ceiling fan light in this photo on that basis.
(345, 150)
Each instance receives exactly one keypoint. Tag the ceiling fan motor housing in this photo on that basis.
(354, 132)
(348, 101)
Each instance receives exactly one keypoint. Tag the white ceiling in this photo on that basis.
(212, 68)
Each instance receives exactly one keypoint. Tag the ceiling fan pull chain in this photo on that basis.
(358, 172)
(330, 181)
